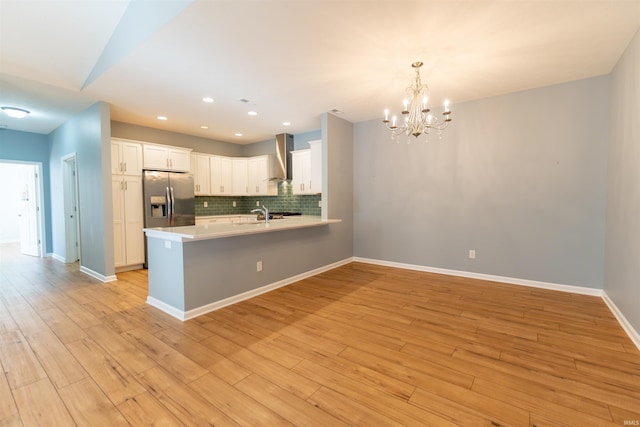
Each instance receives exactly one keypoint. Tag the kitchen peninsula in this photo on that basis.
(200, 268)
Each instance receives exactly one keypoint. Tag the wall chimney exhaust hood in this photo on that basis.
(284, 147)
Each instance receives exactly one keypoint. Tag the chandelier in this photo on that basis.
(417, 116)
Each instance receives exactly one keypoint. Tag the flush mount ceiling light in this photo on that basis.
(417, 116)
(252, 113)
(16, 113)
(207, 99)
(162, 118)
(286, 123)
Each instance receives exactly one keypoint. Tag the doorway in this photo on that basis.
(71, 211)
(22, 213)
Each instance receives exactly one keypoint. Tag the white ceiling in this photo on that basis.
(293, 60)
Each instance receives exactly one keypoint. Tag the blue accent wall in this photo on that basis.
(16, 146)
(88, 135)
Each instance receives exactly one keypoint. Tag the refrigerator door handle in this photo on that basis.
(168, 206)
(173, 204)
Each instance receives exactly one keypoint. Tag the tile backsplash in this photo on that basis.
(284, 201)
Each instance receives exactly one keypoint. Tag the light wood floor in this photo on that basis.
(359, 345)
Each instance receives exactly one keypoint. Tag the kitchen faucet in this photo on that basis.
(264, 212)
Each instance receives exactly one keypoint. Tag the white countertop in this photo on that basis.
(220, 230)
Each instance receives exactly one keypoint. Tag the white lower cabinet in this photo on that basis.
(128, 220)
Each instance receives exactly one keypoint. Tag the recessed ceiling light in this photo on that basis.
(238, 134)
(252, 113)
(204, 127)
(245, 100)
(286, 123)
(207, 99)
(336, 111)
(16, 113)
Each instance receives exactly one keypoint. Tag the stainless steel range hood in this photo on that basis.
(284, 147)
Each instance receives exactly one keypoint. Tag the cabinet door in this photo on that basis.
(133, 220)
(301, 163)
(261, 168)
(156, 157)
(201, 171)
(253, 174)
(117, 187)
(116, 158)
(179, 160)
(221, 176)
(132, 158)
(315, 176)
(240, 177)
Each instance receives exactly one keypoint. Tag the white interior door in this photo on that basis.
(69, 176)
(28, 215)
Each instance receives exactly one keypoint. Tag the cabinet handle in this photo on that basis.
(125, 166)
(126, 186)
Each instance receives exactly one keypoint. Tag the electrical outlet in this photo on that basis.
(472, 254)
(167, 244)
(234, 204)
(206, 204)
(257, 203)
(259, 266)
(319, 203)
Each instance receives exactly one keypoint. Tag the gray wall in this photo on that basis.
(300, 142)
(159, 136)
(87, 135)
(622, 278)
(338, 183)
(520, 178)
(31, 147)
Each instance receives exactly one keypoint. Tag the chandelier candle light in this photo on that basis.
(417, 116)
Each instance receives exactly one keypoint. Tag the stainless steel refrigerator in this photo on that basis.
(169, 200)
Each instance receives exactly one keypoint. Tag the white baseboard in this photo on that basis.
(501, 279)
(630, 330)
(95, 275)
(216, 305)
(58, 258)
(169, 309)
(626, 325)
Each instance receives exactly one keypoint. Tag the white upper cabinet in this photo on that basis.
(165, 157)
(126, 157)
(221, 176)
(301, 179)
(201, 170)
(259, 170)
(316, 166)
(307, 169)
(240, 176)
